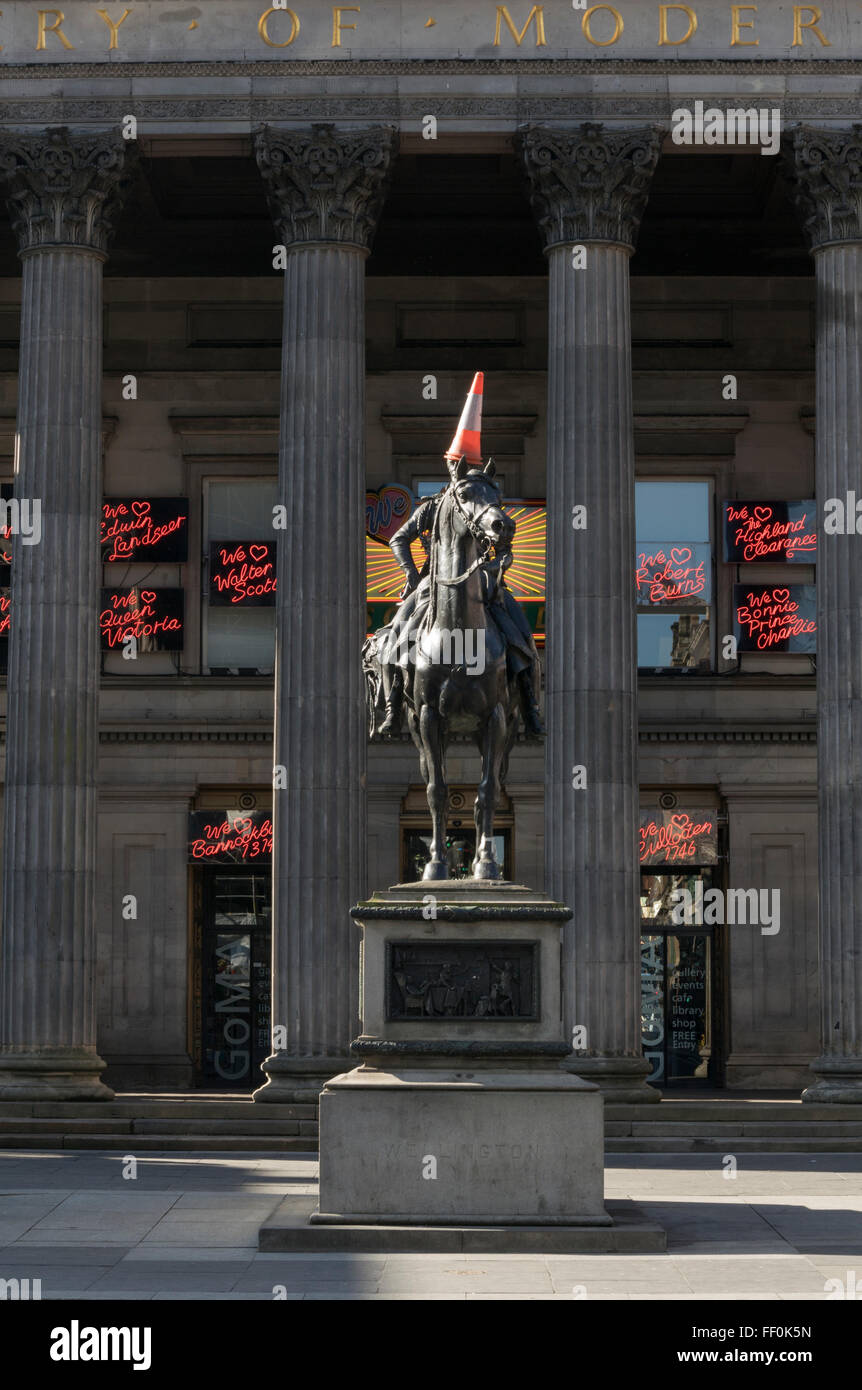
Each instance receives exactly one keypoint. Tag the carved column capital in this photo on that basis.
(64, 189)
(588, 183)
(323, 184)
(826, 173)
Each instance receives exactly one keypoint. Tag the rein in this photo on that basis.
(486, 548)
(486, 554)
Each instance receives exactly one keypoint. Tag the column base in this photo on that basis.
(298, 1080)
(52, 1073)
(839, 1082)
(621, 1080)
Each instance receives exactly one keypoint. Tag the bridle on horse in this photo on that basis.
(487, 550)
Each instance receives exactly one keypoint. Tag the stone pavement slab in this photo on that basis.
(186, 1229)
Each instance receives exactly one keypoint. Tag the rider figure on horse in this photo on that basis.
(503, 609)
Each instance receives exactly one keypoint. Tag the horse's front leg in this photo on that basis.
(431, 729)
(485, 864)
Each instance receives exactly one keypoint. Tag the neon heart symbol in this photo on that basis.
(779, 595)
(258, 552)
(386, 511)
(680, 553)
(763, 513)
(141, 508)
(148, 595)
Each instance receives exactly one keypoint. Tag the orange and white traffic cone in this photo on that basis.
(468, 435)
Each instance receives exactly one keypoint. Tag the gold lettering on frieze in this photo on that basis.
(586, 23)
(736, 24)
(662, 24)
(46, 28)
(263, 27)
(537, 13)
(114, 28)
(338, 24)
(799, 24)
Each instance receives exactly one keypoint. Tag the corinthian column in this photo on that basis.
(325, 189)
(64, 194)
(828, 188)
(588, 188)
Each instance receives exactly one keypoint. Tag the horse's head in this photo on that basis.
(478, 505)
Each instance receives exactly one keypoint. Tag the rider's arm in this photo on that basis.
(402, 540)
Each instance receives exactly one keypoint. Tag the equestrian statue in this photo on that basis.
(459, 653)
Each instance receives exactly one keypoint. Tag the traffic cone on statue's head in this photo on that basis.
(468, 435)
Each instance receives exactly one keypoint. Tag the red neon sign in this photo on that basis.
(152, 617)
(230, 835)
(4, 612)
(145, 528)
(243, 572)
(775, 618)
(770, 531)
(670, 574)
(678, 837)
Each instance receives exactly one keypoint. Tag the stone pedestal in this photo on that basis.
(460, 1113)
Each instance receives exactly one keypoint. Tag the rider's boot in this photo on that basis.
(391, 725)
(533, 726)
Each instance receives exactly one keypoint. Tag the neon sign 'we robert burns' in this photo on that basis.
(665, 576)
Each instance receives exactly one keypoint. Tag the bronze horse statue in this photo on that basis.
(458, 674)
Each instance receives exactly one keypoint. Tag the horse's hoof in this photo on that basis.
(486, 868)
(436, 869)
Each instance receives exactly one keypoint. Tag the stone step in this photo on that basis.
(23, 1125)
(646, 1144)
(774, 1129)
(217, 1126)
(179, 1109)
(148, 1143)
(718, 1112)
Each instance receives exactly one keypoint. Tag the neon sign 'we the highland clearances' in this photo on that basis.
(770, 532)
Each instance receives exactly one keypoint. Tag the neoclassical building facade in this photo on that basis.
(250, 266)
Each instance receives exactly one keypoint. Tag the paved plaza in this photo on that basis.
(186, 1228)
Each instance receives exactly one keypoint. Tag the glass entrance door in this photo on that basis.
(235, 944)
(677, 1006)
(677, 982)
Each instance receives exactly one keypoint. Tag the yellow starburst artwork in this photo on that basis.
(525, 576)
